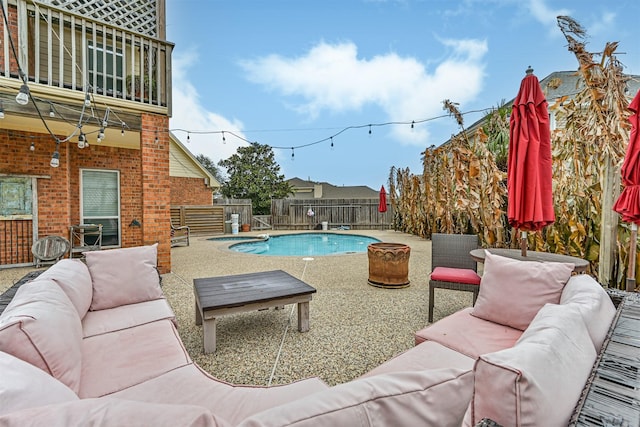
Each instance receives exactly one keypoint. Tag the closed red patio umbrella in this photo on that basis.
(628, 204)
(382, 205)
(529, 167)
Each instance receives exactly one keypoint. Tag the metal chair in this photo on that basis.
(451, 265)
(50, 249)
(180, 235)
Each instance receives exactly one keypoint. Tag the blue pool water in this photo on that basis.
(306, 244)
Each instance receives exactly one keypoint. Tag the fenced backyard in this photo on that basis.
(286, 214)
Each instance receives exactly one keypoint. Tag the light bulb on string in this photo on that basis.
(412, 124)
(188, 137)
(87, 100)
(156, 140)
(55, 159)
(1, 110)
(105, 120)
(32, 147)
(224, 140)
(369, 130)
(100, 135)
(122, 132)
(51, 112)
(293, 154)
(332, 143)
(81, 140)
(22, 97)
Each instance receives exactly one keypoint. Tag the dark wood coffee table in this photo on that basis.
(217, 296)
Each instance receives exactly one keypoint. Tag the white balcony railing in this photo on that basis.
(59, 48)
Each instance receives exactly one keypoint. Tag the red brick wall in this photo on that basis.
(52, 184)
(144, 183)
(190, 192)
(156, 192)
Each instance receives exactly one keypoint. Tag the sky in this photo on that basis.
(333, 86)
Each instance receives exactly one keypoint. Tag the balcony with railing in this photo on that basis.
(66, 49)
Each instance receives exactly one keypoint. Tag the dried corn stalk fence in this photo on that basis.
(462, 188)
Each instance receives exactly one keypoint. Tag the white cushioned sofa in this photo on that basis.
(97, 344)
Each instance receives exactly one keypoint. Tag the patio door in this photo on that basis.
(100, 204)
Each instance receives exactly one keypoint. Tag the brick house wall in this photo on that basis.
(144, 183)
(190, 192)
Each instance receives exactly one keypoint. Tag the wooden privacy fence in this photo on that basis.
(242, 207)
(200, 219)
(357, 214)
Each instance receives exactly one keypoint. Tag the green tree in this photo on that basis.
(254, 174)
(211, 167)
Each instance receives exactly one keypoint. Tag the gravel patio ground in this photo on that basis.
(353, 326)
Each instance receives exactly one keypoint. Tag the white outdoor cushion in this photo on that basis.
(539, 380)
(41, 326)
(25, 386)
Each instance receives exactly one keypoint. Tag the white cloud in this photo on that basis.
(331, 77)
(545, 15)
(190, 115)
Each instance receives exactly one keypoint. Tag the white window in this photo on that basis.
(100, 203)
(107, 67)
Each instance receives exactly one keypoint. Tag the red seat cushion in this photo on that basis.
(456, 275)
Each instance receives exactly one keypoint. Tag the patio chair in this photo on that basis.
(50, 249)
(451, 265)
(180, 235)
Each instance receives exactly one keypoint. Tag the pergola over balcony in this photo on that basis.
(67, 48)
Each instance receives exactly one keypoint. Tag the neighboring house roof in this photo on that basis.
(557, 85)
(323, 190)
(184, 164)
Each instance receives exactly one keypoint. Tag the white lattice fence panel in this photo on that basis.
(139, 16)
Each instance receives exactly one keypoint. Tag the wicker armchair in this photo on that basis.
(451, 265)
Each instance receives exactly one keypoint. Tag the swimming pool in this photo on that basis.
(306, 244)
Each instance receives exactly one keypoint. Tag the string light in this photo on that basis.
(87, 100)
(328, 138)
(369, 129)
(51, 112)
(55, 159)
(32, 147)
(224, 140)
(412, 124)
(122, 131)
(81, 140)
(293, 154)
(332, 143)
(188, 137)
(156, 140)
(22, 97)
(1, 110)
(100, 135)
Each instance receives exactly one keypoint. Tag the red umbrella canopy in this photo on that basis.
(529, 167)
(628, 204)
(382, 206)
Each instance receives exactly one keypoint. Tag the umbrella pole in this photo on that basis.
(523, 243)
(631, 270)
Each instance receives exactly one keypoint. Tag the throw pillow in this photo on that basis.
(512, 291)
(123, 276)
